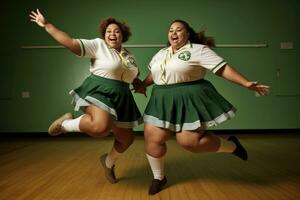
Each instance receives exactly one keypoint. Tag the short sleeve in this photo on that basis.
(210, 60)
(89, 47)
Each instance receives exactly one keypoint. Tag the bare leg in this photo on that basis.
(198, 141)
(96, 122)
(156, 148)
(155, 140)
(123, 138)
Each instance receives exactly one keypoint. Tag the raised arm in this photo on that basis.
(60, 36)
(232, 75)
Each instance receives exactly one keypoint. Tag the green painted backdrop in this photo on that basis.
(48, 74)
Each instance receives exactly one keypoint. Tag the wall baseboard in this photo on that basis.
(140, 133)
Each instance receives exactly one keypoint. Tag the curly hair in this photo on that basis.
(125, 30)
(196, 37)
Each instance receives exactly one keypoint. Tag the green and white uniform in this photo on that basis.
(108, 85)
(181, 98)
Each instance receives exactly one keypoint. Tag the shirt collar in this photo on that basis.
(187, 45)
(121, 50)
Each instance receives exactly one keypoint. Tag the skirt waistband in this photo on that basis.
(109, 81)
(180, 84)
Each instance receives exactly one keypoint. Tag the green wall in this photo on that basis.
(48, 74)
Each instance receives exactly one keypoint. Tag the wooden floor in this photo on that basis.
(68, 168)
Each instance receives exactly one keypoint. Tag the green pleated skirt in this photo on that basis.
(110, 95)
(187, 106)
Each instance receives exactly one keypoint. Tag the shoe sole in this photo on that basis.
(107, 170)
(239, 145)
(58, 122)
(161, 187)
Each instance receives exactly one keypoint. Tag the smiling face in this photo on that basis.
(178, 35)
(113, 36)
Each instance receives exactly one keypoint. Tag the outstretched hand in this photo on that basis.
(38, 18)
(260, 89)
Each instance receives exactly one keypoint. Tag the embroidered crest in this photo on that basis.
(186, 55)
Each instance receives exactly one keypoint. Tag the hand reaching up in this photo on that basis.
(38, 18)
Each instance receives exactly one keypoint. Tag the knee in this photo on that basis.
(156, 149)
(99, 130)
(187, 144)
(150, 146)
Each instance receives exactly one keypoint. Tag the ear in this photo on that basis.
(188, 35)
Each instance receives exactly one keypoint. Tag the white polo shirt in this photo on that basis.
(189, 63)
(108, 62)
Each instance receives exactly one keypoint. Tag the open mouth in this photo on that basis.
(174, 39)
(112, 39)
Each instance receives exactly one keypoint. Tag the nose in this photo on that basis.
(174, 33)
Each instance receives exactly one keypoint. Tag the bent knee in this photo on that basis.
(100, 131)
(185, 143)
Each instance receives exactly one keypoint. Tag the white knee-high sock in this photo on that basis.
(157, 166)
(72, 125)
(226, 146)
(112, 157)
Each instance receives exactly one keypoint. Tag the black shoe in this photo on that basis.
(157, 186)
(109, 172)
(240, 151)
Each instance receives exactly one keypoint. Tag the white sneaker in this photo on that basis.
(56, 127)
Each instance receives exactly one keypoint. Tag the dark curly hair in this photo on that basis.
(196, 37)
(125, 30)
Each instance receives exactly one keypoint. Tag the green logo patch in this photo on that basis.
(186, 55)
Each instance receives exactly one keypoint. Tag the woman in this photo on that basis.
(184, 103)
(104, 96)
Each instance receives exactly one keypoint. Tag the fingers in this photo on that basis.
(32, 19)
(263, 86)
(138, 90)
(145, 94)
(262, 91)
(34, 14)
